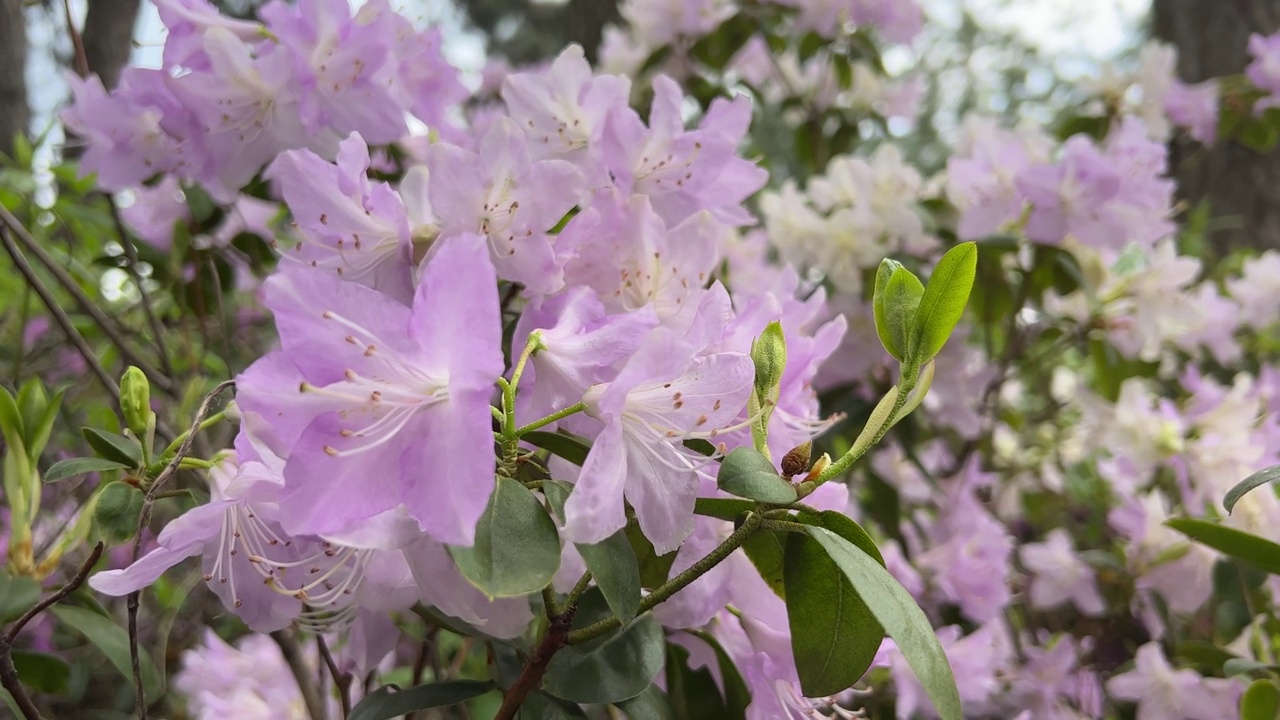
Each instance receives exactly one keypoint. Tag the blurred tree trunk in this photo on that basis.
(14, 111)
(1241, 187)
(526, 31)
(108, 37)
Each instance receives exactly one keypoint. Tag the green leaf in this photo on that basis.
(117, 511)
(894, 303)
(541, 706)
(113, 642)
(388, 702)
(42, 671)
(1207, 657)
(722, 508)
(74, 467)
(654, 568)
(736, 693)
(609, 669)
(901, 618)
(834, 635)
(114, 447)
(943, 301)
(1261, 701)
(1252, 549)
(11, 421)
(39, 425)
(693, 694)
(612, 562)
(766, 549)
(746, 473)
(1244, 666)
(1262, 477)
(18, 594)
(652, 704)
(570, 447)
(517, 549)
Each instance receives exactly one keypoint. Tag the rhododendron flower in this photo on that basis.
(665, 394)
(379, 404)
(1163, 693)
(1060, 576)
(348, 225)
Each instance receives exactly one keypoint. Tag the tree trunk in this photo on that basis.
(108, 37)
(1241, 187)
(14, 111)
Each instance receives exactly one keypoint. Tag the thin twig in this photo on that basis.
(557, 637)
(131, 254)
(144, 517)
(56, 596)
(341, 679)
(159, 379)
(77, 42)
(59, 315)
(292, 653)
(8, 672)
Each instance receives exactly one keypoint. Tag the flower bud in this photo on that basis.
(796, 460)
(135, 401)
(818, 466)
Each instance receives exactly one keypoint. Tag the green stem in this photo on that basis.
(677, 583)
(580, 587)
(190, 463)
(557, 415)
(783, 526)
(208, 422)
(906, 383)
(549, 604)
(509, 388)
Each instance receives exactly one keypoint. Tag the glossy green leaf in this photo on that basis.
(722, 508)
(1262, 477)
(901, 618)
(117, 511)
(894, 305)
(769, 356)
(114, 447)
(1208, 658)
(1244, 666)
(387, 702)
(652, 704)
(75, 467)
(834, 635)
(1257, 551)
(112, 641)
(541, 706)
(612, 562)
(40, 424)
(693, 694)
(11, 420)
(42, 671)
(746, 473)
(570, 447)
(18, 593)
(767, 549)
(517, 548)
(1261, 701)
(737, 695)
(610, 669)
(943, 302)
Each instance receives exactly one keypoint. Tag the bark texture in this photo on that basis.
(108, 37)
(14, 111)
(1241, 186)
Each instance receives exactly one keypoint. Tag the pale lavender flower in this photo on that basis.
(379, 405)
(348, 225)
(1264, 71)
(1163, 693)
(1060, 576)
(1194, 107)
(248, 680)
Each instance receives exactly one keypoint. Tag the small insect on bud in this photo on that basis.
(796, 460)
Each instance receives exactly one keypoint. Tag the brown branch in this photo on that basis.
(59, 315)
(8, 671)
(292, 653)
(557, 637)
(144, 517)
(87, 305)
(77, 42)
